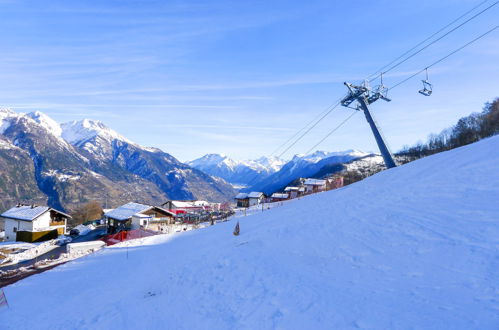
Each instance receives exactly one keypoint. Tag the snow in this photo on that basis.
(319, 155)
(78, 132)
(30, 251)
(63, 177)
(241, 196)
(127, 211)
(25, 212)
(255, 194)
(5, 116)
(314, 182)
(46, 122)
(83, 230)
(410, 247)
(6, 145)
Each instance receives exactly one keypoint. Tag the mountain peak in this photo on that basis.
(46, 122)
(79, 131)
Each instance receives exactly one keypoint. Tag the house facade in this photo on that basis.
(191, 206)
(292, 191)
(120, 218)
(33, 219)
(278, 197)
(314, 185)
(242, 200)
(335, 182)
(255, 198)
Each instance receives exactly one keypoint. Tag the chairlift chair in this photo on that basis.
(427, 87)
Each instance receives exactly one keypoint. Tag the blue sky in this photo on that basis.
(240, 77)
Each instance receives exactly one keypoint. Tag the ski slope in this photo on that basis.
(412, 247)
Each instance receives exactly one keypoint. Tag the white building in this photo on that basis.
(33, 218)
(255, 198)
(292, 191)
(314, 185)
(276, 197)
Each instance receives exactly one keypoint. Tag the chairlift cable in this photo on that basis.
(332, 131)
(330, 109)
(414, 75)
(436, 40)
(310, 128)
(445, 57)
(428, 38)
(300, 130)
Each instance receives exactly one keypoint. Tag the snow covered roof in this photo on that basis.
(28, 213)
(280, 195)
(292, 189)
(241, 196)
(255, 194)
(127, 211)
(314, 182)
(187, 204)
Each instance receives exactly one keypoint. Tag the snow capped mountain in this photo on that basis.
(87, 160)
(304, 166)
(46, 122)
(5, 118)
(235, 171)
(81, 131)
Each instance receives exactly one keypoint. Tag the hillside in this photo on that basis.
(410, 247)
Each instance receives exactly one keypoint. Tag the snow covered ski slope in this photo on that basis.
(411, 247)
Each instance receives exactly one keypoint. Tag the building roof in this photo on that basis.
(126, 211)
(255, 194)
(28, 212)
(292, 189)
(241, 196)
(280, 195)
(314, 182)
(188, 204)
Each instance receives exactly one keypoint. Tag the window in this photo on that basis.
(14, 230)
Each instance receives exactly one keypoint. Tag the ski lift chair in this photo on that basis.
(427, 87)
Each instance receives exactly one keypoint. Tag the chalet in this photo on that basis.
(278, 197)
(121, 217)
(292, 191)
(33, 223)
(242, 200)
(314, 185)
(192, 206)
(335, 182)
(255, 198)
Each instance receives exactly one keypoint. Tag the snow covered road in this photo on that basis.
(411, 247)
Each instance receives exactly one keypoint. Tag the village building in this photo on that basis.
(242, 200)
(314, 185)
(192, 206)
(33, 223)
(255, 198)
(335, 182)
(292, 191)
(148, 216)
(278, 197)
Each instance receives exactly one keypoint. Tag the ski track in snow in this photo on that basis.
(411, 247)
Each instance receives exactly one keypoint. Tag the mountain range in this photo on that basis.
(237, 172)
(272, 174)
(69, 164)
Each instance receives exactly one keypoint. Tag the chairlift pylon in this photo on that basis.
(427, 87)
